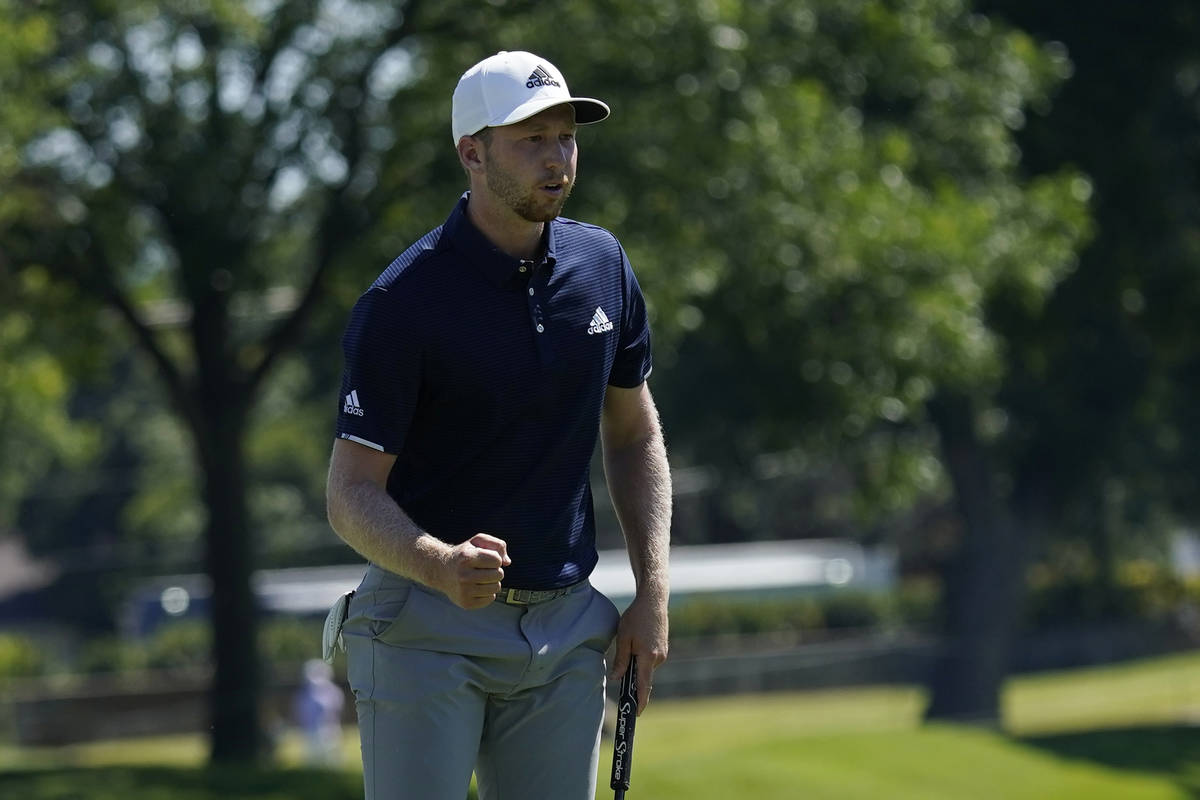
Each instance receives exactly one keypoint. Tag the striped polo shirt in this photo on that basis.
(485, 376)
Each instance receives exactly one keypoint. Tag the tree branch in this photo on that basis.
(98, 272)
(334, 224)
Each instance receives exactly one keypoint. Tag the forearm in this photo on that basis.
(639, 483)
(368, 520)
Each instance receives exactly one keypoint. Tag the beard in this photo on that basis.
(526, 203)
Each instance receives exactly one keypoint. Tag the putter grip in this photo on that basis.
(627, 702)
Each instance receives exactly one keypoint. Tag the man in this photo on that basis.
(481, 367)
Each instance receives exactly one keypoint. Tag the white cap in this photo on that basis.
(509, 87)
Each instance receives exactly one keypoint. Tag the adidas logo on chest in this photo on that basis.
(600, 322)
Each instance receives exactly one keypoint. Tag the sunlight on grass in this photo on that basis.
(1156, 690)
(771, 757)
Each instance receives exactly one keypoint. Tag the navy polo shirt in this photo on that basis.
(485, 377)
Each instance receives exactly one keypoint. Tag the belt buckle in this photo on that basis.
(512, 597)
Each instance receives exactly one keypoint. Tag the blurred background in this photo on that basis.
(924, 278)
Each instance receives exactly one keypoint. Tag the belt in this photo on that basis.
(529, 597)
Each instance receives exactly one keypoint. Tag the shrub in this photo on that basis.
(180, 645)
(917, 604)
(110, 654)
(20, 657)
(1139, 591)
(287, 640)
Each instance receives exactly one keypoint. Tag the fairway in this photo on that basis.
(868, 745)
(1119, 732)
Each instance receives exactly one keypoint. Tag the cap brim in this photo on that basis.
(587, 110)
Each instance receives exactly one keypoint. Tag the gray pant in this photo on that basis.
(514, 692)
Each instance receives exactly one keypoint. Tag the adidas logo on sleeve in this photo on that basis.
(352, 406)
(600, 322)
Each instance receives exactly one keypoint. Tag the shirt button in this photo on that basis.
(522, 269)
(531, 292)
(540, 329)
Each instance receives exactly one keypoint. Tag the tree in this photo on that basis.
(1099, 392)
(1113, 359)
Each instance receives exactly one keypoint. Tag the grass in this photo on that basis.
(789, 746)
(174, 783)
(1154, 691)
(1115, 732)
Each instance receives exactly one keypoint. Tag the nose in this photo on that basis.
(558, 154)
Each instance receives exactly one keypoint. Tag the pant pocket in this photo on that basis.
(373, 613)
(602, 618)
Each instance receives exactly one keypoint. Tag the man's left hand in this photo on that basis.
(642, 632)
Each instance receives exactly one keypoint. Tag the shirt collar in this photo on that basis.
(499, 267)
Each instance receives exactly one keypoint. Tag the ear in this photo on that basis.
(471, 154)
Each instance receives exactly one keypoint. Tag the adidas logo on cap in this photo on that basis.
(540, 77)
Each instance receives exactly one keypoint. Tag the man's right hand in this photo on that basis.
(472, 571)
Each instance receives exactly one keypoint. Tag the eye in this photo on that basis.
(537, 137)
(568, 137)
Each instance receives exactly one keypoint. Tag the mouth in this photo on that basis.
(555, 188)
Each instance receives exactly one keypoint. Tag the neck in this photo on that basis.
(515, 236)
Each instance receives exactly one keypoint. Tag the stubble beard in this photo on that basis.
(525, 203)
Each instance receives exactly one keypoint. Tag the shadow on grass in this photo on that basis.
(167, 783)
(1169, 750)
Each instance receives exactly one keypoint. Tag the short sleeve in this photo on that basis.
(382, 375)
(633, 360)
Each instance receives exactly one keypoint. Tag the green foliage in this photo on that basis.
(36, 428)
(166, 511)
(108, 654)
(20, 657)
(1103, 388)
(25, 38)
(911, 607)
(180, 645)
(919, 604)
(183, 645)
(710, 616)
(1139, 591)
(285, 640)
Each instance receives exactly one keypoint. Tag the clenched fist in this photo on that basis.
(471, 572)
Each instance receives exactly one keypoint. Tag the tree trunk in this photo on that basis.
(237, 734)
(984, 581)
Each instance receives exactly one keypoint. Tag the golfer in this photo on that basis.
(480, 369)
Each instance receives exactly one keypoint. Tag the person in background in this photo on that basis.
(317, 709)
